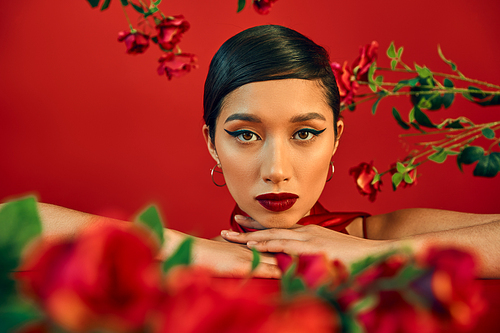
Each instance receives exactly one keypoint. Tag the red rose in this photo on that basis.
(363, 175)
(198, 302)
(345, 82)
(367, 55)
(393, 314)
(170, 31)
(315, 269)
(135, 42)
(388, 268)
(263, 7)
(177, 65)
(107, 278)
(457, 294)
(303, 314)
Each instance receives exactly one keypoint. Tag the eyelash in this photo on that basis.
(237, 134)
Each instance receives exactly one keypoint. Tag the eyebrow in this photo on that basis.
(296, 119)
(306, 117)
(244, 117)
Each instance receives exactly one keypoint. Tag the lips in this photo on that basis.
(277, 202)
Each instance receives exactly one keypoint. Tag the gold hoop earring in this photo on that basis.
(212, 175)
(333, 170)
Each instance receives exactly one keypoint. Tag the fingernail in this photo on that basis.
(229, 233)
(239, 217)
(251, 243)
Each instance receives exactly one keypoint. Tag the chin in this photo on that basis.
(279, 220)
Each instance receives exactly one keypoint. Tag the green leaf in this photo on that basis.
(105, 4)
(422, 119)
(93, 3)
(181, 256)
(19, 224)
(407, 178)
(488, 133)
(138, 9)
(351, 107)
(423, 72)
(371, 71)
(365, 304)
(439, 156)
(454, 124)
(125, 2)
(400, 52)
(394, 63)
(400, 167)
(396, 180)
(151, 219)
(399, 120)
(411, 115)
(16, 312)
(255, 259)
(382, 94)
(379, 80)
(488, 165)
(449, 62)
(448, 97)
(241, 5)
(391, 51)
(469, 155)
(157, 3)
(376, 179)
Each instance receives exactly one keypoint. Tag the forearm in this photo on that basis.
(482, 241)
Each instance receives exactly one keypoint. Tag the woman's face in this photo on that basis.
(274, 141)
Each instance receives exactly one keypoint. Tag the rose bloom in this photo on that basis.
(177, 65)
(367, 55)
(363, 175)
(345, 82)
(170, 31)
(457, 296)
(136, 43)
(263, 7)
(314, 269)
(198, 303)
(106, 278)
(393, 314)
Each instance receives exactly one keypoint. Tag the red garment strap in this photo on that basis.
(337, 221)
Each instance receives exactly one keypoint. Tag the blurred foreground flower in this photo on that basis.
(177, 65)
(364, 175)
(263, 7)
(106, 278)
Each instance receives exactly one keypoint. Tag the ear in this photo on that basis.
(340, 130)
(210, 145)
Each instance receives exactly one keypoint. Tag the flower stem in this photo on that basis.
(132, 30)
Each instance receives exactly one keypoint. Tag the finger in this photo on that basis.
(288, 246)
(261, 235)
(248, 222)
(268, 258)
(267, 271)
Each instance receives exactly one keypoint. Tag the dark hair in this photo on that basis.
(262, 53)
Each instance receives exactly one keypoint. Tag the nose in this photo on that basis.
(276, 166)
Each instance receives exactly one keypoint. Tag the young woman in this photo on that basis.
(272, 126)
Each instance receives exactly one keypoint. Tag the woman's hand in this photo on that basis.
(308, 239)
(223, 258)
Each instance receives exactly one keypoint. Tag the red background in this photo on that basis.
(86, 126)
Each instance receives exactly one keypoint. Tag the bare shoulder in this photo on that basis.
(415, 221)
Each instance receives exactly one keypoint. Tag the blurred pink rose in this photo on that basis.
(363, 175)
(263, 7)
(345, 82)
(170, 31)
(367, 55)
(177, 65)
(106, 278)
(136, 43)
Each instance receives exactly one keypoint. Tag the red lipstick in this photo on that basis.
(277, 202)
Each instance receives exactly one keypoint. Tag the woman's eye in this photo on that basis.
(303, 135)
(307, 134)
(244, 136)
(247, 136)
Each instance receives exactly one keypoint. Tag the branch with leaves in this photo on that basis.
(428, 91)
